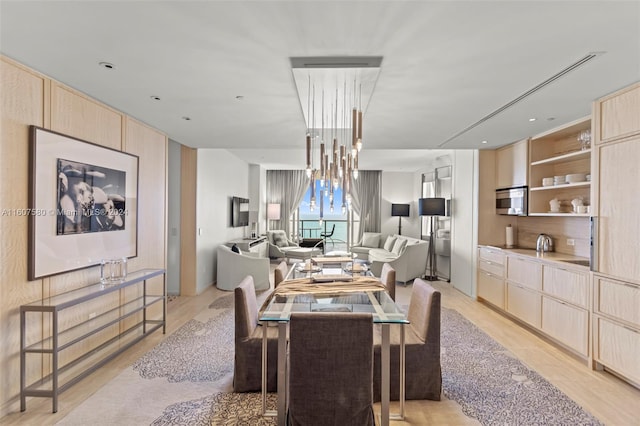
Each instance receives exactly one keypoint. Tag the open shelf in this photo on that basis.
(574, 155)
(564, 186)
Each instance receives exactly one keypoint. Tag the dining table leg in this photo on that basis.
(282, 373)
(385, 362)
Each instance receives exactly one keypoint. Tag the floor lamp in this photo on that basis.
(400, 210)
(431, 207)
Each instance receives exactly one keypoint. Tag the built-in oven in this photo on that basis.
(512, 201)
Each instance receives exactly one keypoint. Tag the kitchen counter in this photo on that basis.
(560, 258)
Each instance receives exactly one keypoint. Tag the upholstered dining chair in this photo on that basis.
(247, 367)
(331, 366)
(388, 278)
(279, 273)
(422, 348)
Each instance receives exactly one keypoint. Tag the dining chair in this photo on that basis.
(247, 367)
(422, 348)
(330, 369)
(388, 278)
(279, 273)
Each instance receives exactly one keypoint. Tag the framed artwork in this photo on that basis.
(83, 204)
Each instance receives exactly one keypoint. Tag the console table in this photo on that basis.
(253, 245)
(65, 374)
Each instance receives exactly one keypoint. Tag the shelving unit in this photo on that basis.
(79, 334)
(558, 153)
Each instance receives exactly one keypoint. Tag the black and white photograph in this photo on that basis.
(83, 203)
(90, 198)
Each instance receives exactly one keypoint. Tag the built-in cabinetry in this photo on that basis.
(491, 276)
(559, 152)
(616, 305)
(97, 338)
(545, 294)
(511, 165)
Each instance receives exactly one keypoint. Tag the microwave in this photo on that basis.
(512, 201)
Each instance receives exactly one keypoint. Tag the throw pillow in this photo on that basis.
(280, 239)
(370, 239)
(388, 245)
(399, 245)
(235, 249)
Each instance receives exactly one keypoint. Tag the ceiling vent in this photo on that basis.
(528, 93)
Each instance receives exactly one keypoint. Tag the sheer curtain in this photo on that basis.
(287, 188)
(365, 199)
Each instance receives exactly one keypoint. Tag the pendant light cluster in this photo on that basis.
(336, 164)
(332, 92)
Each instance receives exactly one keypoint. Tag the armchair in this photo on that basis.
(282, 247)
(233, 267)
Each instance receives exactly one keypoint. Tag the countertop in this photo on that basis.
(560, 258)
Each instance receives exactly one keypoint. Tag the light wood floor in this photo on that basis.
(609, 399)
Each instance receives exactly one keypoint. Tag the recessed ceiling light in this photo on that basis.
(532, 119)
(186, 118)
(155, 98)
(484, 141)
(107, 65)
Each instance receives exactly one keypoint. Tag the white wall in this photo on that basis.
(221, 176)
(464, 207)
(399, 188)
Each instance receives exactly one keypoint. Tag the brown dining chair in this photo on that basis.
(388, 278)
(247, 367)
(279, 273)
(422, 348)
(331, 367)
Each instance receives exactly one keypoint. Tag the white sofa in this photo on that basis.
(233, 267)
(370, 240)
(408, 256)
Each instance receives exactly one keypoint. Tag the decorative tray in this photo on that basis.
(304, 268)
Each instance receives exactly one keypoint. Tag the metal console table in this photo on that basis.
(129, 332)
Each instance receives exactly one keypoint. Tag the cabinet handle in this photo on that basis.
(630, 285)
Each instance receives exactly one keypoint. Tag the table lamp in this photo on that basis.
(431, 207)
(273, 211)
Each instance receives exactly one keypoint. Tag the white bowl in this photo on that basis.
(576, 177)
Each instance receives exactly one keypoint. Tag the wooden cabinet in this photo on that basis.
(567, 285)
(618, 252)
(491, 287)
(558, 152)
(618, 115)
(566, 323)
(524, 272)
(511, 165)
(617, 348)
(524, 304)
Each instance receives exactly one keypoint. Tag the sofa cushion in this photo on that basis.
(371, 239)
(381, 255)
(280, 239)
(235, 249)
(388, 245)
(399, 245)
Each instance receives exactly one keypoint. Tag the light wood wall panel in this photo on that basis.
(188, 197)
(30, 98)
(151, 148)
(77, 115)
(22, 104)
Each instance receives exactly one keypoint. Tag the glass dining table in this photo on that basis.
(331, 288)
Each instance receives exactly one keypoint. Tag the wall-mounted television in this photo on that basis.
(239, 212)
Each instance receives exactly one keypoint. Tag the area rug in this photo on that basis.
(186, 380)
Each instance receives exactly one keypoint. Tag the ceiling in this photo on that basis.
(445, 67)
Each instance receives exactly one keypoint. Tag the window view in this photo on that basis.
(323, 220)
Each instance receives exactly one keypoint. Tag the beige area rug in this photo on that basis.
(187, 380)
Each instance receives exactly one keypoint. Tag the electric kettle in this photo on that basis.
(544, 243)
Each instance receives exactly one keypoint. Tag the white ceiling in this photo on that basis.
(445, 66)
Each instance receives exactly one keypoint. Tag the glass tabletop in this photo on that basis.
(379, 303)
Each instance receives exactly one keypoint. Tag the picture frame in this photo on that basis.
(83, 204)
